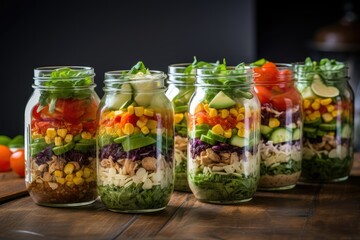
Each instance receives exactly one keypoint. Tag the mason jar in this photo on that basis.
(224, 136)
(180, 89)
(60, 132)
(328, 105)
(281, 126)
(135, 142)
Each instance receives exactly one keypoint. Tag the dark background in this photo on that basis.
(109, 35)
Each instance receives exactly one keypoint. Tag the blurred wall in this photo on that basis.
(109, 35)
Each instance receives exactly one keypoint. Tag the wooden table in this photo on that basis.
(309, 211)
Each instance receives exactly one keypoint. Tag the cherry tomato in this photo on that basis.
(72, 109)
(263, 93)
(5, 154)
(35, 114)
(286, 100)
(17, 162)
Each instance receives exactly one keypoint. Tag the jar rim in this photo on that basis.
(123, 74)
(47, 70)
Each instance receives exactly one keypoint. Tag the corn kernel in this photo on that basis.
(153, 131)
(139, 111)
(317, 114)
(325, 101)
(78, 180)
(199, 108)
(131, 109)
(217, 129)
(90, 179)
(119, 132)
(212, 112)
(62, 132)
(308, 112)
(330, 108)
(227, 133)
(128, 128)
(200, 120)
(70, 184)
(224, 113)
(178, 117)
(137, 130)
(87, 172)
(47, 140)
(51, 133)
(233, 112)
(307, 118)
(36, 136)
(334, 113)
(240, 117)
(140, 123)
(58, 173)
(69, 168)
(69, 177)
(148, 112)
(151, 124)
(327, 117)
(206, 108)
(331, 134)
(145, 130)
(306, 103)
(312, 116)
(274, 122)
(68, 138)
(241, 110)
(58, 141)
(315, 105)
(317, 100)
(109, 130)
(241, 132)
(79, 173)
(60, 180)
(240, 125)
(86, 135)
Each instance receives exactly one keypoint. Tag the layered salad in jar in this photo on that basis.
(281, 125)
(223, 136)
(136, 142)
(328, 124)
(61, 140)
(181, 87)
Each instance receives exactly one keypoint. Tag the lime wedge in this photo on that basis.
(320, 89)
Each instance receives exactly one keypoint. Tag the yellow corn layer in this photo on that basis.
(217, 129)
(86, 135)
(233, 112)
(199, 108)
(48, 140)
(69, 168)
(60, 180)
(178, 117)
(145, 130)
(212, 112)
(274, 122)
(327, 117)
(151, 124)
(224, 113)
(87, 172)
(78, 180)
(139, 111)
(128, 128)
(325, 101)
(62, 132)
(228, 133)
(58, 141)
(140, 123)
(148, 112)
(58, 173)
(51, 133)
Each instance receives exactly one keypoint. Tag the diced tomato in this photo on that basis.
(127, 118)
(89, 126)
(72, 109)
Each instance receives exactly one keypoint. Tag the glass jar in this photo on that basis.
(281, 126)
(180, 89)
(328, 103)
(135, 143)
(60, 131)
(224, 117)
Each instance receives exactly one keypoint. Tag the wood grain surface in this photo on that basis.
(309, 211)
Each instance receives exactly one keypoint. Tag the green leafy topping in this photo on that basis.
(62, 84)
(286, 168)
(327, 69)
(197, 64)
(139, 67)
(259, 62)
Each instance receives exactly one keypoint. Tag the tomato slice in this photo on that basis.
(35, 114)
(71, 109)
(286, 100)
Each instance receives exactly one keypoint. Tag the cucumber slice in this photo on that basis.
(307, 93)
(346, 131)
(239, 141)
(291, 126)
(280, 135)
(63, 149)
(202, 127)
(320, 89)
(296, 134)
(135, 142)
(83, 147)
(207, 139)
(200, 132)
(181, 109)
(215, 136)
(309, 130)
(77, 138)
(265, 130)
(122, 99)
(221, 100)
(328, 126)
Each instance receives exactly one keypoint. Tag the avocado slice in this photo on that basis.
(221, 100)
